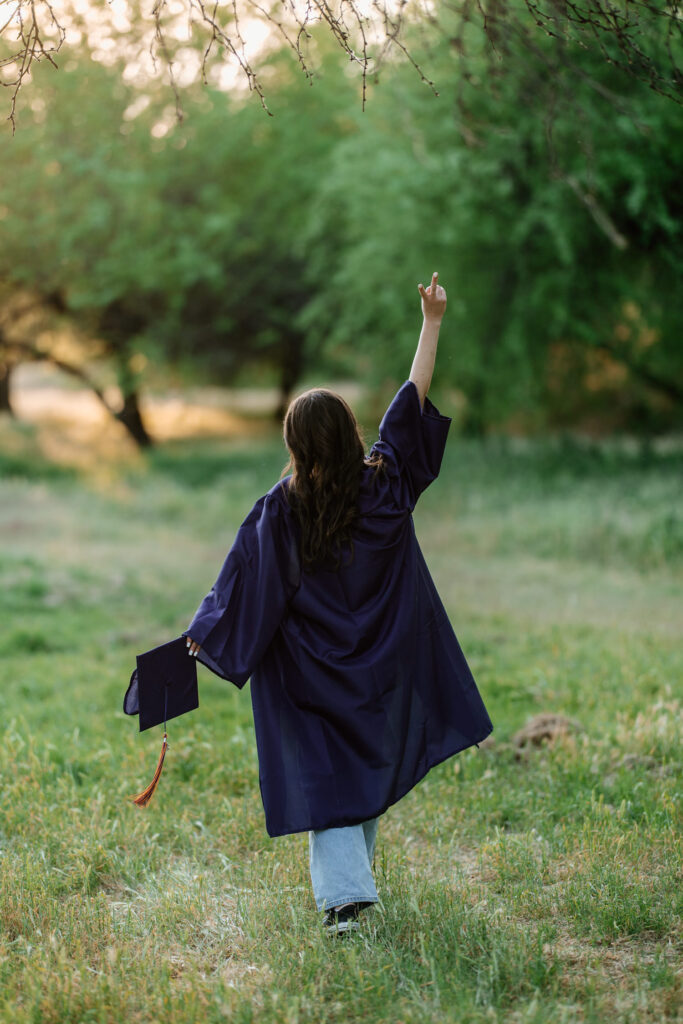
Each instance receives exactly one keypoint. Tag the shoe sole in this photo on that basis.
(343, 927)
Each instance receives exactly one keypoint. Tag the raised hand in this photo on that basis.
(433, 300)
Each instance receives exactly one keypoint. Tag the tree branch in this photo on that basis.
(36, 354)
(600, 216)
(637, 38)
(667, 386)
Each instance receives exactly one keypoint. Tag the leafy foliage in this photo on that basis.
(296, 242)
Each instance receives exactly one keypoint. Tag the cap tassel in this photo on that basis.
(142, 799)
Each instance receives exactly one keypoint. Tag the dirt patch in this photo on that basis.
(617, 958)
(544, 728)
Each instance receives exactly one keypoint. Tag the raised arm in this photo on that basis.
(433, 309)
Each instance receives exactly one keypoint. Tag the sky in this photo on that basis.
(108, 26)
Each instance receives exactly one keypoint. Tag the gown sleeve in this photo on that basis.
(239, 617)
(412, 442)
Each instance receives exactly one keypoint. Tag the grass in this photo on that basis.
(513, 888)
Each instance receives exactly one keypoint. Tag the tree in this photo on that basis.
(229, 239)
(165, 241)
(639, 39)
(544, 232)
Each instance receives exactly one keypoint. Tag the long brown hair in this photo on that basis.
(326, 457)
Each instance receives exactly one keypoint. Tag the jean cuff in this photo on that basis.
(337, 900)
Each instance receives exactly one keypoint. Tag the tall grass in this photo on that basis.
(523, 888)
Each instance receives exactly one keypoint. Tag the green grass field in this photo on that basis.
(538, 888)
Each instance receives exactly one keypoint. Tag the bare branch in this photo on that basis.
(637, 37)
(599, 215)
(161, 42)
(30, 32)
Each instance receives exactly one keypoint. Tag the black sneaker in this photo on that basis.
(341, 919)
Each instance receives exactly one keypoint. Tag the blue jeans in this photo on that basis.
(341, 864)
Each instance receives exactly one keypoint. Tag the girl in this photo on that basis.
(358, 682)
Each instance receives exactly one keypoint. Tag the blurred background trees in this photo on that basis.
(289, 247)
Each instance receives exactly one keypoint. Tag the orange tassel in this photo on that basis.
(142, 799)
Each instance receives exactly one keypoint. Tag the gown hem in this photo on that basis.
(401, 793)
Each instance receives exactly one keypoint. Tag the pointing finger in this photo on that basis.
(435, 279)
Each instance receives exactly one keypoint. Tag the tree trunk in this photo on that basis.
(131, 418)
(290, 369)
(477, 414)
(5, 378)
(477, 411)
(129, 414)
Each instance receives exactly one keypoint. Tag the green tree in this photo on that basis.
(179, 241)
(296, 241)
(543, 232)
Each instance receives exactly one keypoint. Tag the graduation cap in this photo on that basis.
(162, 686)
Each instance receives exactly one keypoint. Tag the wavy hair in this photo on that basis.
(326, 458)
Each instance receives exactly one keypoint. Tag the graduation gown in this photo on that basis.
(358, 683)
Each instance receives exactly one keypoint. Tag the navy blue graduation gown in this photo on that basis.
(358, 683)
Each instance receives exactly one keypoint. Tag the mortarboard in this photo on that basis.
(162, 686)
